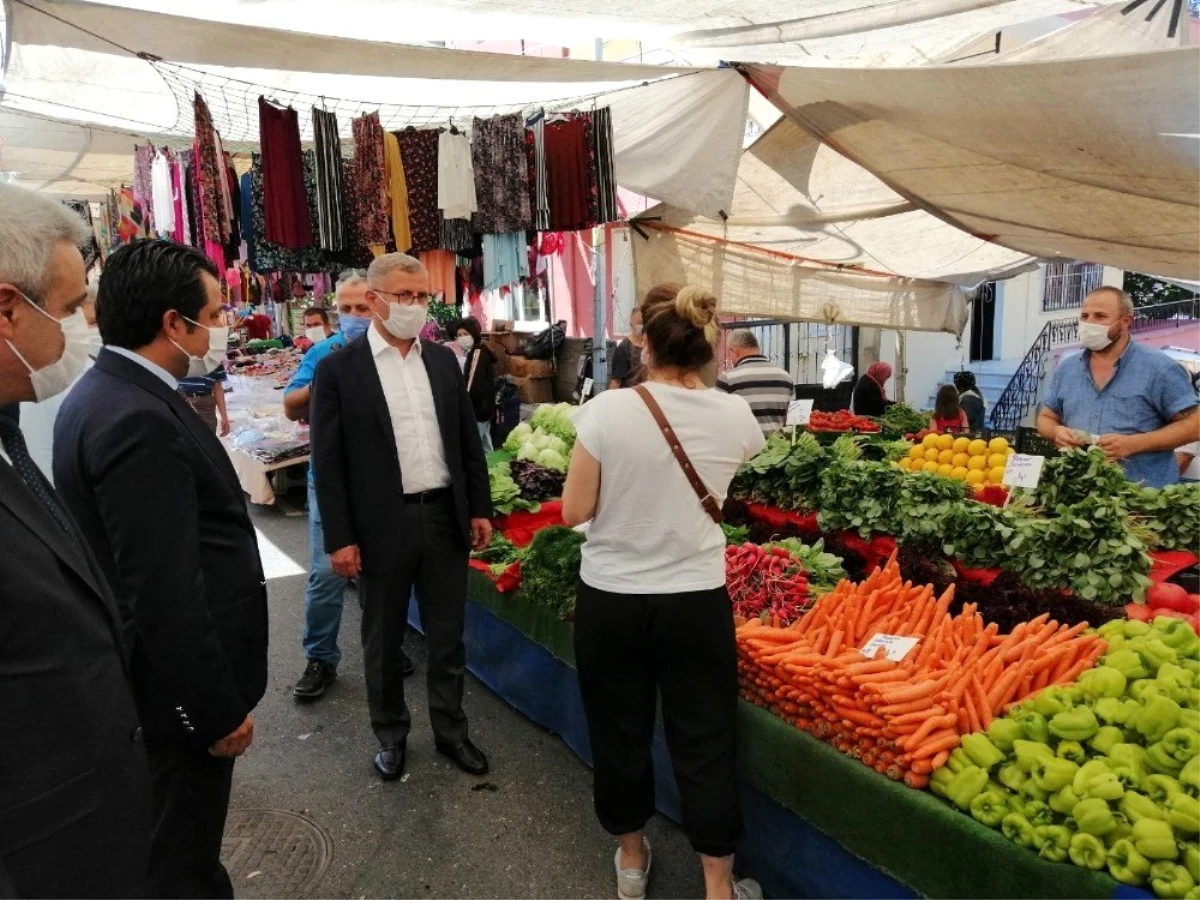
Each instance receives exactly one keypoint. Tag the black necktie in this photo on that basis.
(22, 462)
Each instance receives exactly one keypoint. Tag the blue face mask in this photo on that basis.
(353, 327)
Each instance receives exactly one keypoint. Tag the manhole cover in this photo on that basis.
(274, 852)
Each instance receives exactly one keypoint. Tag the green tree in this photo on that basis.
(1147, 291)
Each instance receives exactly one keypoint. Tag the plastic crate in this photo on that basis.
(1028, 441)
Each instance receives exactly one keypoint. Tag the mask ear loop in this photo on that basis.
(23, 360)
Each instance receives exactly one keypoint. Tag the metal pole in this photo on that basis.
(901, 366)
(599, 314)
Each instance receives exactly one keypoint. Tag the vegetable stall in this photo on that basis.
(1005, 676)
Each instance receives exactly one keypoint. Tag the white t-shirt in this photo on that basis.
(1192, 472)
(650, 535)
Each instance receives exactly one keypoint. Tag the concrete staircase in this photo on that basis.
(992, 377)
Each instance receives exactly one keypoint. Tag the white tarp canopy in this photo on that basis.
(1093, 159)
(76, 64)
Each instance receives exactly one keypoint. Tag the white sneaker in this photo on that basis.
(747, 889)
(631, 883)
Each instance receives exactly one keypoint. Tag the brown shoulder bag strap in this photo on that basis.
(707, 500)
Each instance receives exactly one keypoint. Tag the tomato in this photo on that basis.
(1170, 596)
(1139, 612)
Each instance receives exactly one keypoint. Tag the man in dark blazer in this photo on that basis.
(161, 506)
(74, 790)
(403, 492)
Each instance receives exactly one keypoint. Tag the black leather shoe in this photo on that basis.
(466, 756)
(407, 666)
(389, 761)
(317, 677)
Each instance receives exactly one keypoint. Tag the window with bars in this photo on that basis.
(1065, 284)
(798, 347)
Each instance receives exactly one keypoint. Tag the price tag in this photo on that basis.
(1023, 470)
(587, 388)
(895, 646)
(799, 412)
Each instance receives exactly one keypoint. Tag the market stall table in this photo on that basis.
(262, 441)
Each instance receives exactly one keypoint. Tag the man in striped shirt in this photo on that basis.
(767, 388)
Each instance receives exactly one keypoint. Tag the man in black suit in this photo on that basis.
(74, 790)
(160, 504)
(403, 491)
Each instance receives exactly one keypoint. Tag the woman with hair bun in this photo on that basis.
(650, 471)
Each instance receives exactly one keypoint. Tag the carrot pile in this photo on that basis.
(902, 718)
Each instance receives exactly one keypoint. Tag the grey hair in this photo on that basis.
(743, 339)
(348, 281)
(31, 224)
(383, 266)
(1124, 301)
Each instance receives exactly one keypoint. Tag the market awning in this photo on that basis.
(1093, 159)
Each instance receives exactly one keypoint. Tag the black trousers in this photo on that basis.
(630, 647)
(433, 565)
(191, 801)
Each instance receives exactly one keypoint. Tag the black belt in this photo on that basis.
(427, 496)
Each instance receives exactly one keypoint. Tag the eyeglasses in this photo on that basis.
(407, 298)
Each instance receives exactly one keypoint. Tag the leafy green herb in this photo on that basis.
(859, 496)
(506, 493)
(903, 419)
(824, 569)
(1171, 515)
(550, 569)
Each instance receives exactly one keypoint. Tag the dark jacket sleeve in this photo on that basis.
(146, 497)
(973, 407)
(621, 362)
(329, 461)
(483, 387)
(868, 398)
(479, 490)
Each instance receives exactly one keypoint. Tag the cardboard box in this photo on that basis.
(508, 340)
(535, 390)
(500, 358)
(530, 368)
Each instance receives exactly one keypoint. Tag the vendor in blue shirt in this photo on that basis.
(1135, 402)
(323, 595)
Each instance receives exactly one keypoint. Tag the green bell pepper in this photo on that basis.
(1002, 732)
(958, 760)
(1053, 841)
(1176, 673)
(1182, 743)
(1154, 839)
(1038, 813)
(966, 786)
(1136, 807)
(1063, 800)
(982, 751)
(1111, 629)
(1160, 760)
(1126, 864)
(1050, 702)
(1078, 724)
(1183, 813)
(1102, 681)
(1106, 738)
(1155, 654)
(1178, 635)
(1096, 779)
(1189, 776)
(1071, 750)
(1030, 791)
(1088, 852)
(1127, 662)
(1128, 763)
(1012, 776)
(989, 808)
(1160, 788)
(1017, 829)
(1107, 709)
(1035, 725)
(1170, 881)
(1053, 774)
(1189, 852)
(1122, 832)
(1092, 816)
(1158, 716)
(1145, 688)
(940, 781)
(1189, 719)
(1028, 753)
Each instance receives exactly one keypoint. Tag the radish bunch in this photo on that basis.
(766, 582)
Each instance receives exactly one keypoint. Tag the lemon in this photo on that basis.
(959, 472)
(917, 452)
(961, 444)
(945, 441)
(997, 459)
(998, 445)
(1009, 452)
(945, 456)
(977, 447)
(975, 476)
(977, 463)
(945, 469)
(996, 475)
(931, 454)
(930, 440)
(904, 463)
(930, 466)
(960, 459)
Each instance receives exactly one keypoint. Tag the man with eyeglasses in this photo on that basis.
(325, 592)
(403, 492)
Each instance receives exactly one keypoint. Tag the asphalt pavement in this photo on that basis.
(527, 829)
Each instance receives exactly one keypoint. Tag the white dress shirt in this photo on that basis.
(414, 418)
(152, 367)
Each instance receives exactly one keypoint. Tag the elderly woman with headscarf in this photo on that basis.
(870, 394)
(970, 400)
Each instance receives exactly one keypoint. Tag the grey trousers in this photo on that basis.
(433, 567)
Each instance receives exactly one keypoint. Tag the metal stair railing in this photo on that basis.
(1023, 389)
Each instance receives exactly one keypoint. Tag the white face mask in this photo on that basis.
(405, 322)
(52, 380)
(218, 346)
(466, 341)
(1094, 337)
(316, 335)
(95, 342)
